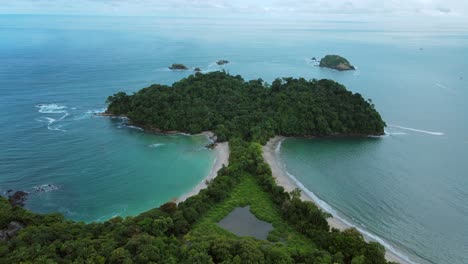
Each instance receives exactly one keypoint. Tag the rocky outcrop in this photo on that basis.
(211, 146)
(11, 231)
(18, 198)
(178, 66)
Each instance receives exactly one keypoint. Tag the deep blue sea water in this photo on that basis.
(410, 188)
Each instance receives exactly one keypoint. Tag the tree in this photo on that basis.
(120, 256)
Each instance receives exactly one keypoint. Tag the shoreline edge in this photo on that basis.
(221, 159)
(289, 184)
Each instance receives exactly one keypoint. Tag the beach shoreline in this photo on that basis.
(222, 158)
(283, 179)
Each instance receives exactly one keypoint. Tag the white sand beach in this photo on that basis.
(289, 184)
(222, 158)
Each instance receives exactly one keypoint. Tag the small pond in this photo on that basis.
(243, 223)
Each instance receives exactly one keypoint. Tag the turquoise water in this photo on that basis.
(409, 188)
(52, 82)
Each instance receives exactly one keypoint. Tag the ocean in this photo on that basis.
(409, 188)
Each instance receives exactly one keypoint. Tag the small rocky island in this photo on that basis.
(222, 62)
(178, 66)
(336, 62)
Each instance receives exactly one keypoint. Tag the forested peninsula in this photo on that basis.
(247, 113)
(252, 110)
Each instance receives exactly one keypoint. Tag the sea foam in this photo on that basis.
(390, 133)
(51, 108)
(156, 145)
(46, 188)
(96, 111)
(134, 127)
(419, 130)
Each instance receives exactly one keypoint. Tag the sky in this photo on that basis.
(438, 8)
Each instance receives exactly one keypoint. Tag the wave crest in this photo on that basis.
(419, 130)
(51, 108)
(156, 145)
(46, 188)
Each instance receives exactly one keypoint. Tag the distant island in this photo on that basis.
(247, 114)
(336, 62)
(178, 66)
(222, 62)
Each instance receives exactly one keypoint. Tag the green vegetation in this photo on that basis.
(248, 192)
(336, 62)
(252, 110)
(178, 66)
(187, 232)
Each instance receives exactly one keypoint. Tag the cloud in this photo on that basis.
(150, 7)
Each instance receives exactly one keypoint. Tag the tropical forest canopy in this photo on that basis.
(336, 62)
(246, 113)
(230, 106)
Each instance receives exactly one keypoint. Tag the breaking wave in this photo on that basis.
(51, 108)
(46, 188)
(49, 114)
(134, 127)
(419, 130)
(156, 145)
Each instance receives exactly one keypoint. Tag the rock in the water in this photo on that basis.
(336, 62)
(11, 231)
(46, 188)
(314, 59)
(197, 69)
(222, 62)
(18, 198)
(211, 146)
(178, 66)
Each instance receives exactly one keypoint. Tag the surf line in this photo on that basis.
(419, 130)
(328, 208)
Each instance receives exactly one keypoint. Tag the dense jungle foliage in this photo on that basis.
(186, 232)
(252, 110)
(162, 235)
